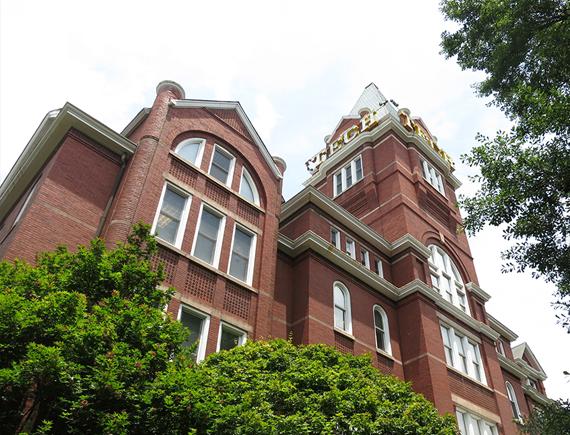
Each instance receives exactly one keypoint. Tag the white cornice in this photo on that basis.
(312, 195)
(137, 120)
(310, 240)
(535, 395)
(388, 122)
(46, 139)
(407, 241)
(502, 329)
(232, 105)
(511, 367)
(474, 288)
(530, 371)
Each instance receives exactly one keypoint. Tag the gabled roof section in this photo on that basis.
(523, 349)
(221, 109)
(46, 139)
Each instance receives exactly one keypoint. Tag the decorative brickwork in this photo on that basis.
(94, 145)
(343, 344)
(385, 365)
(437, 209)
(231, 118)
(200, 283)
(217, 194)
(170, 262)
(248, 212)
(464, 387)
(183, 172)
(237, 301)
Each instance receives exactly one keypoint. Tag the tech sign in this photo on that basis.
(368, 122)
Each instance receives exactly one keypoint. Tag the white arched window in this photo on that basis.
(247, 187)
(381, 329)
(342, 319)
(191, 150)
(513, 400)
(445, 278)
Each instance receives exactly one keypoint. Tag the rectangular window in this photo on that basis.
(462, 354)
(335, 238)
(230, 337)
(471, 424)
(432, 176)
(348, 175)
(198, 323)
(208, 236)
(378, 268)
(350, 248)
(364, 258)
(170, 221)
(242, 256)
(222, 165)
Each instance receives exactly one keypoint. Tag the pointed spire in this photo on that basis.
(370, 99)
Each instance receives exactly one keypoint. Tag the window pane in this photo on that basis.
(194, 324)
(378, 320)
(358, 169)
(461, 423)
(169, 217)
(207, 236)
(338, 183)
(229, 340)
(220, 166)
(334, 236)
(348, 177)
(339, 318)
(240, 255)
(189, 152)
(246, 190)
(339, 300)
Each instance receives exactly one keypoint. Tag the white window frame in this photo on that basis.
(252, 250)
(513, 400)
(242, 335)
(472, 424)
(245, 174)
(348, 169)
(183, 219)
(447, 275)
(195, 140)
(350, 248)
(336, 242)
(365, 257)
(347, 312)
(230, 156)
(464, 353)
(203, 339)
(378, 267)
(499, 347)
(387, 343)
(219, 238)
(432, 176)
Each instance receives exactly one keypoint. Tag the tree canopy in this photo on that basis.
(524, 48)
(277, 388)
(82, 338)
(549, 419)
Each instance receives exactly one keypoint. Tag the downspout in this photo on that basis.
(103, 218)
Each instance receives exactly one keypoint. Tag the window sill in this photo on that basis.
(346, 334)
(385, 354)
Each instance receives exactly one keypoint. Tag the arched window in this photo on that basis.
(513, 400)
(191, 150)
(381, 329)
(445, 278)
(247, 187)
(342, 319)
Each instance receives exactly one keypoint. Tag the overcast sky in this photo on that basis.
(296, 67)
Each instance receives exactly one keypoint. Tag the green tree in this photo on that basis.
(550, 419)
(82, 336)
(524, 48)
(277, 388)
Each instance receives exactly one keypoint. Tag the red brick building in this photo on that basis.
(366, 257)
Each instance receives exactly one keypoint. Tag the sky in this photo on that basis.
(296, 67)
